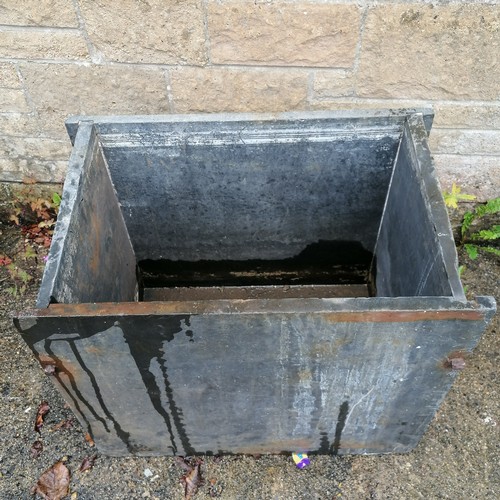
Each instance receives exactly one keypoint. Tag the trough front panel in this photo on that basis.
(330, 382)
(249, 190)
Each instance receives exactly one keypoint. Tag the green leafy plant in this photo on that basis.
(481, 240)
(452, 198)
(16, 274)
(19, 278)
(461, 270)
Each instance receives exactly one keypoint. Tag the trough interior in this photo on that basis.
(250, 210)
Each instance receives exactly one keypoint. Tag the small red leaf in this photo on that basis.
(88, 463)
(36, 449)
(53, 483)
(4, 260)
(43, 409)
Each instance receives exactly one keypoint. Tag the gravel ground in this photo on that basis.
(458, 457)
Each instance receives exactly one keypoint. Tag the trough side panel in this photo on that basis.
(408, 256)
(97, 259)
(436, 207)
(253, 383)
(84, 145)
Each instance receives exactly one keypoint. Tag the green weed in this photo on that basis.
(481, 240)
(452, 198)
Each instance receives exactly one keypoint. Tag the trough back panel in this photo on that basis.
(243, 190)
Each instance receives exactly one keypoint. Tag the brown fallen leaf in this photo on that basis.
(89, 439)
(53, 483)
(183, 463)
(88, 463)
(36, 449)
(192, 480)
(43, 409)
(63, 424)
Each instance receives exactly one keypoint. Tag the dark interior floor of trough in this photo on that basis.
(458, 457)
(323, 262)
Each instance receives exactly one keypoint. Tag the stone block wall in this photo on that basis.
(65, 57)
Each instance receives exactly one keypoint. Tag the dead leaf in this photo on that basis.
(89, 439)
(4, 260)
(88, 463)
(183, 463)
(192, 480)
(36, 449)
(15, 219)
(63, 424)
(43, 409)
(53, 483)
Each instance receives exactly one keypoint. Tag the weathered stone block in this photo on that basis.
(222, 89)
(36, 13)
(465, 142)
(13, 100)
(41, 159)
(431, 52)
(34, 148)
(283, 34)
(8, 76)
(332, 103)
(481, 116)
(51, 122)
(78, 89)
(35, 44)
(15, 170)
(19, 124)
(333, 83)
(147, 32)
(478, 175)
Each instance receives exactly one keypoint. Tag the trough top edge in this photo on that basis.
(229, 117)
(425, 306)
